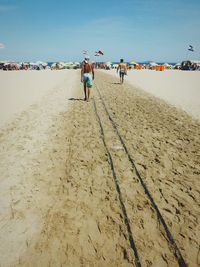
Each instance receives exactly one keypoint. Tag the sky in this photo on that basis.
(139, 30)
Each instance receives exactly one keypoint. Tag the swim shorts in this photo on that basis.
(122, 73)
(87, 78)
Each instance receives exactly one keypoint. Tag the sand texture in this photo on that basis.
(71, 195)
(178, 88)
(21, 89)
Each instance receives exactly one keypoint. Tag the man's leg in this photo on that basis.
(85, 93)
(89, 92)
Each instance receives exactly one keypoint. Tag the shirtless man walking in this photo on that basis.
(122, 70)
(87, 75)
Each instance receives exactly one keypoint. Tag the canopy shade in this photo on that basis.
(153, 64)
(133, 63)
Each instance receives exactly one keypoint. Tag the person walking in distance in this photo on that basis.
(87, 75)
(122, 68)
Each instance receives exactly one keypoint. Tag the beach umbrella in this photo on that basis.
(153, 64)
(3, 61)
(41, 63)
(133, 63)
(13, 63)
(195, 61)
(115, 66)
(61, 64)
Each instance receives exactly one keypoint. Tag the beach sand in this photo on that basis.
(178, 88)
(21, 89)
(61, 203)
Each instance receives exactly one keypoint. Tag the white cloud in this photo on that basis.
(2, 45)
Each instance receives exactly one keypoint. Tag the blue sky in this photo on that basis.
(140, 30)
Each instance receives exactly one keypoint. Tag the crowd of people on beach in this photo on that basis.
(9, 66)
(190, 65)
(184, 65)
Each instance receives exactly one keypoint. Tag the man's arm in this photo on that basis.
(92, 71)
(82, 71)
(118, 67)
(126, 69)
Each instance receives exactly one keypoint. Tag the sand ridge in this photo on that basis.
(69, 194)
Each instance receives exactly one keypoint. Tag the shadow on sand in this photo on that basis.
(76, 99)
(115, 83)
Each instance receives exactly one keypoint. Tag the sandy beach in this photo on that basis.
(178, 88)
(20, 90)
(70, 194)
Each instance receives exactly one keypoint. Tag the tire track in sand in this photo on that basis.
(83, 224)
(165, 144)
(147, 198)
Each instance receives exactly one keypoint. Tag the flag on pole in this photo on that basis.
(191, 48)
(99, 53)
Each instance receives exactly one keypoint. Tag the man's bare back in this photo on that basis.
(87, 75)
(122, 68)
(87, 68)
